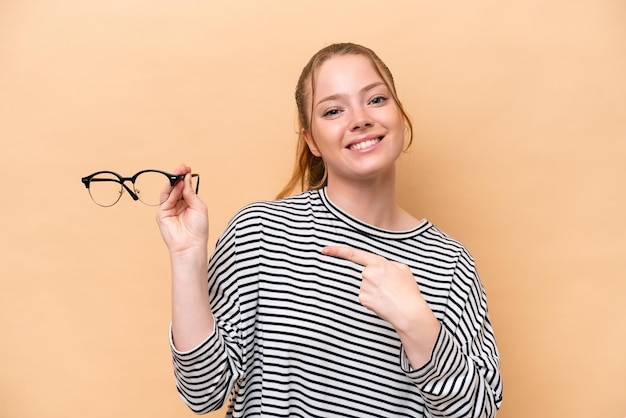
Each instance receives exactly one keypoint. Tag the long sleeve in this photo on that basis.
(206, 375)
(462, 377)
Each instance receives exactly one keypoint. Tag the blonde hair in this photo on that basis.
(309, 172)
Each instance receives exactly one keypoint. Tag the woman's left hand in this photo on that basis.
(389, 289)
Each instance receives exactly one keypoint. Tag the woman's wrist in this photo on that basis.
(418, 332)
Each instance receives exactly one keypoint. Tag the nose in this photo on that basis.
(361, 119)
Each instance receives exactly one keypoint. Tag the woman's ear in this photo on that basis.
(311, 143)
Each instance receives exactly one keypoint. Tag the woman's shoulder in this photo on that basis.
(446, 242)
(291, 207)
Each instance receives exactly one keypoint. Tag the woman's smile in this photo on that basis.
(365, 144)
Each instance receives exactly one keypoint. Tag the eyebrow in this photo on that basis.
(337, 96)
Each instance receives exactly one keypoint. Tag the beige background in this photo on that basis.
(520, 116)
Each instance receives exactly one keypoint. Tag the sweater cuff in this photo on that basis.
(442, 349)
(190, 352)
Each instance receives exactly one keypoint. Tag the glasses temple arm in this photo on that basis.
(131, 192)
(198, 183)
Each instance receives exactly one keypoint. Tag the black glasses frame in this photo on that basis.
(173, 178)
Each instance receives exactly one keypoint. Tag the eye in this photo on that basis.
(378, 100)
(331, 112)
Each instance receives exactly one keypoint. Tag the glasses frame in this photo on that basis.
(173, 178)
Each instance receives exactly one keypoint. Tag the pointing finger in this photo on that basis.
(352, 254)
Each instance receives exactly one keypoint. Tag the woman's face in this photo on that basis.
(356, 126)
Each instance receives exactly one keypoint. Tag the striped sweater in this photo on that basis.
(292, 340)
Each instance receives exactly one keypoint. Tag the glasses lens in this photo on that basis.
(105, 189)
(150, 186)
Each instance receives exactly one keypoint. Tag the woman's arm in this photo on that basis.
(183, 222)
(206, 353)
(455, 362)
(462, 376)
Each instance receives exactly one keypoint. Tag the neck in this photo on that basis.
(373, 202)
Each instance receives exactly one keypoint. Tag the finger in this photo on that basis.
(352, 254)
(168, 192)
(171, 195)
(183, 169)
(188, 189)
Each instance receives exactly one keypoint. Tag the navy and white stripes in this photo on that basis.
(292, 339)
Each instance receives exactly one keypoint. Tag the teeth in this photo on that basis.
(365, 144)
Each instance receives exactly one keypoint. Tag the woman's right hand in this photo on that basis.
(183, 217)
(184, 225)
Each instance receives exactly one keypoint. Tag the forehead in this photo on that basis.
(345, 74)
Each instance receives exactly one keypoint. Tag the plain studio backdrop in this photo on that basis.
(519, 110)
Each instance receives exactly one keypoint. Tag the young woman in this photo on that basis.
(335, 301)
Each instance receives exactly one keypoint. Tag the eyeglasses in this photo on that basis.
(149, 186)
